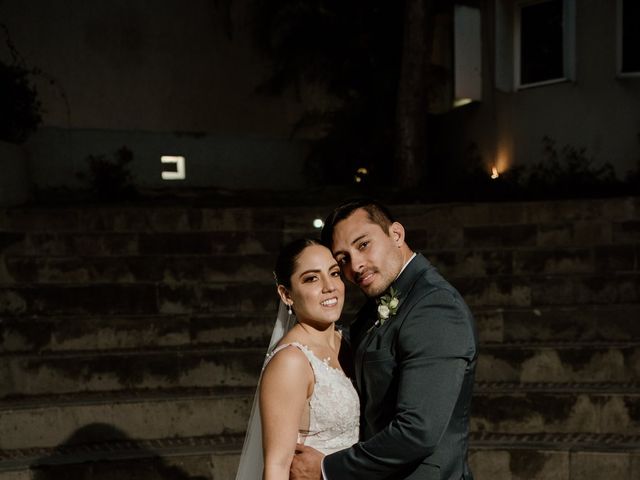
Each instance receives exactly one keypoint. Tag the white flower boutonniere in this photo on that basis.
(387, 307)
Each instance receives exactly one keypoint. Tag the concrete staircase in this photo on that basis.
(131, 338)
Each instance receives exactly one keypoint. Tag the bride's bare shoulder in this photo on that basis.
(288, 357)
(287, 368)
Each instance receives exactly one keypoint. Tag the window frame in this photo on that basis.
(619, 50)
(568, 44)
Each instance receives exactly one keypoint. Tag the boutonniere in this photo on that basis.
(387, 307)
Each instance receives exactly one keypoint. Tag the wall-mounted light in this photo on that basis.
(460, 102)
(494, 173)
(179, 173)
(318, 223)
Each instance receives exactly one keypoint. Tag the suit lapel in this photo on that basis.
(366, 318)
(368, 314)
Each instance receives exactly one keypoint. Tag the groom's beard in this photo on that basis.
(371, 290)
(357, 276)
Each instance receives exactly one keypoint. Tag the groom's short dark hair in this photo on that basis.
(378, 214)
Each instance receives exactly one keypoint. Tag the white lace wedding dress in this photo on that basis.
(334, 407)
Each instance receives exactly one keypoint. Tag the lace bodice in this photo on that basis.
(334, 407)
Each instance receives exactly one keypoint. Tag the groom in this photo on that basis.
(415, 351)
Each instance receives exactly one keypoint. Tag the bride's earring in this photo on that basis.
(290, 310)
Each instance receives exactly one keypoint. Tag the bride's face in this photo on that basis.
(317, 291)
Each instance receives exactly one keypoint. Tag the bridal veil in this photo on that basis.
(251, 461)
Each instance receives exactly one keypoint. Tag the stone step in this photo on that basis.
(546, 290)
(137, 299)
(559, 363)
(536, 261)
(124, 219)
(562, 323)
(51, 421)
(214, 267)
(169, 368)
(556, 233)
(138, 269)
(491, 456)
(115, 332)
(553, 456)
(189, 217)
(197, 297)
(195, 458)
(523, 411)
(605, 387)
(23, 334)
(144, 243)
(476, 225)
(460, 246)
(79, 372)
(155, 463)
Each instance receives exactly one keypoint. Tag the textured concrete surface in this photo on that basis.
(140, 331)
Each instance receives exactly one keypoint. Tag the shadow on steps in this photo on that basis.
(99, 451)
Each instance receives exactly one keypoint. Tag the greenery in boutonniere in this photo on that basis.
(387, 307)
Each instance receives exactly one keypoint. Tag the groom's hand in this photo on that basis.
(307, 464)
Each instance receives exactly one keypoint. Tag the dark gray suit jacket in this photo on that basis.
(414, 375)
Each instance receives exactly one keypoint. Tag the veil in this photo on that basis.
(251, 461)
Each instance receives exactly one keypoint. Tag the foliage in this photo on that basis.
(565, 172)
(352, 51)
(110, 180)
(566, 169)
(20, 109)
(633, 177)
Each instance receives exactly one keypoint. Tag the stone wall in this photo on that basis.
(131, 337)
(162, 78)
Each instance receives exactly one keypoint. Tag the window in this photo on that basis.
(544, 42)
(629, 37)
(467, 54)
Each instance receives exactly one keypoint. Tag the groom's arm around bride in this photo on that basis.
(414, 369)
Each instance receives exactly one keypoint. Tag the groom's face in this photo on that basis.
(368, 256)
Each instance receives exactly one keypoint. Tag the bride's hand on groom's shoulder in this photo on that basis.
(306, 464)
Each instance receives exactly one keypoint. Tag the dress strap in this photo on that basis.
(272, 354)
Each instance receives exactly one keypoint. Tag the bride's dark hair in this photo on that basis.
(287, 258)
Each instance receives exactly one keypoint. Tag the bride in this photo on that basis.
(303, 395)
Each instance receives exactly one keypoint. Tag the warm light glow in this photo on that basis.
(502, 160)
(460, 102)
(360, 174)
(502, 163)
(318, 223)
(179, 173)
